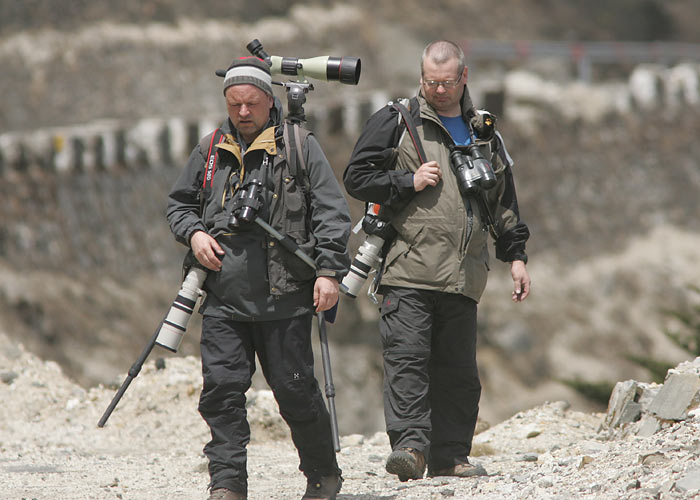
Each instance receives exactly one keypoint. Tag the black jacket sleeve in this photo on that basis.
(183, 201)
(330, 216)
(369, 175)
(513, 232)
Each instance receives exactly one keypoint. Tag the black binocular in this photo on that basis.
(472, 169)
(247, 203)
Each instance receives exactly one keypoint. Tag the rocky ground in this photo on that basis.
(51, 447)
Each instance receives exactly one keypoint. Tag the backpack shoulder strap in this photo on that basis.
(408, 120)
(295, 153)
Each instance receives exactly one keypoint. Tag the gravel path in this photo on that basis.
(52, 449)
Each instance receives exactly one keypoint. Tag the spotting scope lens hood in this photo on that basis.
(344, 69)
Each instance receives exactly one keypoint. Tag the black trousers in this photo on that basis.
(284, 351)
(431, 381)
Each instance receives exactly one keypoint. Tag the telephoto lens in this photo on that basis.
(175, 324)
(368, 258)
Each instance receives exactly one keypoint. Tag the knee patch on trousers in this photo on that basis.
(223, 397)
(298, 399)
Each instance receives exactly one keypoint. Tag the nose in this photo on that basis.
(244, 111)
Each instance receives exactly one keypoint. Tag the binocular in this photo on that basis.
(472, 169)
(247, 203)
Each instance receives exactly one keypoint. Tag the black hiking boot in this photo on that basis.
(323, 487)
(406, 463)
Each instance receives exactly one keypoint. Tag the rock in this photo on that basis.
(8, 377)
(628, 401)
(528, 457)
(634, 485)
(352, 440)
(533, 433)
(649, 426)
(678, 395)
(653, 458)
(689, 482)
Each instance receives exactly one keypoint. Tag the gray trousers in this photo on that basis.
(431, 381)
(283, 348)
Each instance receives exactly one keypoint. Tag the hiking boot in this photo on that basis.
(224, 494)
(323, 488)
(406, 463)
(459, 470)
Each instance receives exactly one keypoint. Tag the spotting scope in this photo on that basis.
(328, 68)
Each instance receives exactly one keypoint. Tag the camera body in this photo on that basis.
(369, 255)
(472, 169)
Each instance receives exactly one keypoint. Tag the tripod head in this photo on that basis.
(296, 97)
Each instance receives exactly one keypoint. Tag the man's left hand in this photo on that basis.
(521, 280)
(325, 293)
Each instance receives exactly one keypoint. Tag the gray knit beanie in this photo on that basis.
(250, 70)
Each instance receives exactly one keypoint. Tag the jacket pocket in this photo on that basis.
(294, 203)
(390, 304)
(297, 269)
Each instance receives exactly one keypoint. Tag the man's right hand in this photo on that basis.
(428, 174)
(206, 250)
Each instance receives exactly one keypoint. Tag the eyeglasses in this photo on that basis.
(446, 84)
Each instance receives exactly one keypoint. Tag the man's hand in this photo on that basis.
(427, 174)
(206, 250)
(521, 280)
(325, 293)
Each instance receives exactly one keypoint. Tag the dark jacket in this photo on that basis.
(260, 279)
(441, 242)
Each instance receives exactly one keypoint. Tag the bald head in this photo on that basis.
(442, 51)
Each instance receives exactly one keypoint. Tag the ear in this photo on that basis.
(465, 72)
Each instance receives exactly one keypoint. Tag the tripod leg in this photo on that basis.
(133, 373)
(328, 376)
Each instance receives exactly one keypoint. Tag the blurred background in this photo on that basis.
(598, 102)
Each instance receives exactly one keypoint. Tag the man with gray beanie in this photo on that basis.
(260, 298)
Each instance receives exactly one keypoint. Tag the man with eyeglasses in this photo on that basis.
(435, 268)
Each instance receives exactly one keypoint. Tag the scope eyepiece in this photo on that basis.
(256, 48)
